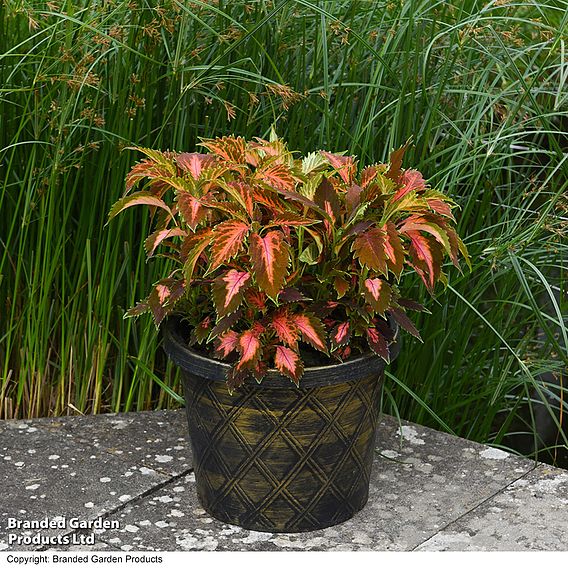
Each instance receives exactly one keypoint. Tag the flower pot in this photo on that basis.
(274, 457)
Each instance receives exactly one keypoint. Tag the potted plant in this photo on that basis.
(283, 310)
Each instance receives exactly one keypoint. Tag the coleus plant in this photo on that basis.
(273, 251)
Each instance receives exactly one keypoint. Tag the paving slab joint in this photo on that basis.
(130, 502)
(477, 506)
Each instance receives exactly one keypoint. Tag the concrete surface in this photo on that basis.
(429, 491)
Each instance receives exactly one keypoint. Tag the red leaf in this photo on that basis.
(270, 257)
(405, 322)
(285, 328)
(227, 343)
(228, 240)
(249, 347)
(441, 207)
(154, 240)
(191, 209)
(288, 362)
(411, 180)
(138, 198)
(369, 248)
(378, 294)
(368, 175)
(256, 299)
(437, 229)
(394, 250)
(411, 305)
(378, 344)
(422, 251)
(226, 323)
(345, 165)
(313, 331)
(228, 290)
(340, 335)
(194, 162)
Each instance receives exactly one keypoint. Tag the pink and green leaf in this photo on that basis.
(288, 362)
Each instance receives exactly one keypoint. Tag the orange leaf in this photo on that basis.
(228, 240)
(285, 328)
(270, 257)
(191, 209)
(312, 330)
(369, 248)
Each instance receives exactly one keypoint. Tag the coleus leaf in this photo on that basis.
(270, 256)
(227, 241)
(424, 253)
(193, 162)
(327, 199)
(191, 210)
(341, 286)
(313, 331)
(288, 362)
(285, 328)
(411, 305)
(420, 223)
(441, 207)
(256, 298)
(378, 344)
(157, 237)
(225, 323)
(138, 198)
(369, 248)
(378, 294)
(411, 180)
(345, 165)
(230, 148)
(289, 295)
(201, 331)
(228, 289)
(192, 248)
(226, 344)
(394, 250)
(292, 220)
(276, 175)
(395, 162)
(249, 346)
(405, 322)
(340, 335)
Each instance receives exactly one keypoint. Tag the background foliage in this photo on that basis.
(480, 86)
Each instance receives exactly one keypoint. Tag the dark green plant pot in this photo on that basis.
(274, 457)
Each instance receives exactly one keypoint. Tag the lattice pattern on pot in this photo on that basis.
(277, 458)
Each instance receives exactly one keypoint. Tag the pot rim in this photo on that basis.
(195, 363)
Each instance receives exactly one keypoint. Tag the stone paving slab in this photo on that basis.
(416, 490)
(429, 491)
(46, 473)
(530, 514)
(157, 440)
